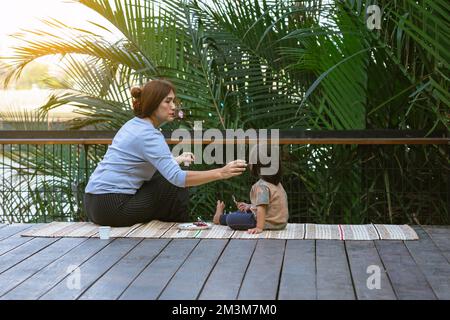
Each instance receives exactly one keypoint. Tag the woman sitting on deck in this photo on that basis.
(139, 180)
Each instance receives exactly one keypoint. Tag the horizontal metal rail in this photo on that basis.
(242, 141)
(298, 137)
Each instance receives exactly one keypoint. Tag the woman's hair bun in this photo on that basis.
(136, 92)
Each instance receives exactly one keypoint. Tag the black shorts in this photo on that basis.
(157, 199)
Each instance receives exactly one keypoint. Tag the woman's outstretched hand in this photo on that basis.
(186, 158)
(234, 168)
(196, 178)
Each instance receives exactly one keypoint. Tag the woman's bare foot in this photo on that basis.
(219, 211)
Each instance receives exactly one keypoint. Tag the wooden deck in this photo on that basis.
(189, 269)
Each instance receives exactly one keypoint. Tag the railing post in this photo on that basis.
(86, 178)
(86, 169)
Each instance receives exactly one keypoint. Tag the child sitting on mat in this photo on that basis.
(269, 205)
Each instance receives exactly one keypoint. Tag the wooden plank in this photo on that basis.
(188, 281)
(12, 242)
(333, 274)
(51, 275)
(441, 237)
(15, 256)
(92, 270)
(13, 229)
(263, 274)
(111, 285)
(432, 263)
(365, 263)
(298, 276)
(153, 279)
(25, 269)
(407, 280)
(226, 277)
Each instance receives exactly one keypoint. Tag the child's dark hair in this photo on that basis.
(256, 167)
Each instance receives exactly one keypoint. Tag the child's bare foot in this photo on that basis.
(219, 211)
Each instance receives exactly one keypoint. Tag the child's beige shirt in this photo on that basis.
(275, 197)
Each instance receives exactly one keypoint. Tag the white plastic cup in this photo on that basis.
(104, 232)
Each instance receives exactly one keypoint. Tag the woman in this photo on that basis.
(139, 180)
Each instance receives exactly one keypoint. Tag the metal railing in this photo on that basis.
(331, 177)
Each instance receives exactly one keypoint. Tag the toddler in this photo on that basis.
(268, 208)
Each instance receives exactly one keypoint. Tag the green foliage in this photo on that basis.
(33, 76)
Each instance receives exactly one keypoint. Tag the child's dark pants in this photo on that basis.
(238, 220)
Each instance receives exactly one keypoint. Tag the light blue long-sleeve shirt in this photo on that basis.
(137, 151)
